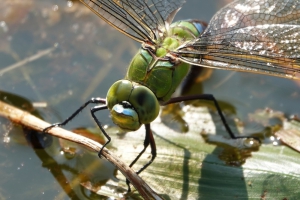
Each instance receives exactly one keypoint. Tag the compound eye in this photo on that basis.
(145, 103)
(118, 92)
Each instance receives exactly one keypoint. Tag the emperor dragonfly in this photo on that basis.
(251, 36)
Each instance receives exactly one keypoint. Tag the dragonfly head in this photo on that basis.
(131, 104)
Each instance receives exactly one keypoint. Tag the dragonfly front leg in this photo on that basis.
(209, 97)
(149, 139)
(93, 110)
(92, 100)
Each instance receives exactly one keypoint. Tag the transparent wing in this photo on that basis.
(142, 20)
(253, 36)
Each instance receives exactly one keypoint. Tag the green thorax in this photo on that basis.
(151, 70)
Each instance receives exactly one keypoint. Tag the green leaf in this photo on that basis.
(187, 167)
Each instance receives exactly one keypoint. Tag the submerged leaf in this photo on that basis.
(186, 167)
(290, 134)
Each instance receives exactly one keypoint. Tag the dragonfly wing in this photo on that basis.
(142, 20)
(253, 36)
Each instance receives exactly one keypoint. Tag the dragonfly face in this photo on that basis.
(131, 104)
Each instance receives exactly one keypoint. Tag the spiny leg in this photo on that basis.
(92, 100)
(149, 139)
(210, 98)
(93, 110)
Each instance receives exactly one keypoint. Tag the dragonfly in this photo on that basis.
(257, 36)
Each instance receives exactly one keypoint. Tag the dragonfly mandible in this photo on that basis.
(257, 36)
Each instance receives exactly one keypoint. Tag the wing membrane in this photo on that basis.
(142, 20)
(259, 37)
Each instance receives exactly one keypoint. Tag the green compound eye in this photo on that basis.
(131, 106)
(145, 103)
(118, 92)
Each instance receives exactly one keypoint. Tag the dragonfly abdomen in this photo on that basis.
(187, 29)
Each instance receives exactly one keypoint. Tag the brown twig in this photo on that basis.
(26, 119)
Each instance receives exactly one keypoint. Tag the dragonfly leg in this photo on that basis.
(149, 139)
(210, 98)
(93, 110)
(92, 100)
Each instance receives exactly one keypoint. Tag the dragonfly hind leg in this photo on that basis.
(209, 97)
(149, 139)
